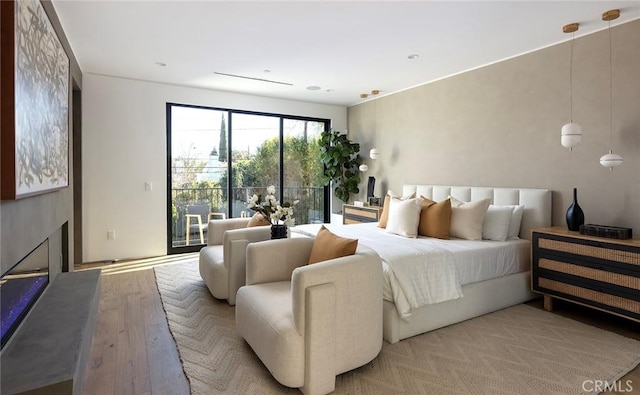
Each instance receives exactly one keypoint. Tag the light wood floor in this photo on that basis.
(133, 351)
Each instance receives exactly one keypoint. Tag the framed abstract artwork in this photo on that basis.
(35, 102)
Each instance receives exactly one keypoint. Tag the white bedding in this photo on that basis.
(425, 270)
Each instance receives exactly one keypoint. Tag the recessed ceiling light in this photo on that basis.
(313, 88)
(413, 56)
(161, 64)
(267, 71)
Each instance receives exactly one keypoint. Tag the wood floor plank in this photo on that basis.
(132, 360)
(165, 369)
(101, 372)
(166, 374)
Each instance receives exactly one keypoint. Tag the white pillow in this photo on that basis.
(467, 218)
(516, 220)
(497, 222)
(395, 195)
(404, 216)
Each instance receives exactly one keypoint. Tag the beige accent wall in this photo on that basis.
(500, 126)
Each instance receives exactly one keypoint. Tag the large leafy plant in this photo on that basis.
(341, 160)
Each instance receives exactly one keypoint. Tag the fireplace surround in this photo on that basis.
(20, 287)
(49, 349)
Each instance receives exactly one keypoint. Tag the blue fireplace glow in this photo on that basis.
(20, 287)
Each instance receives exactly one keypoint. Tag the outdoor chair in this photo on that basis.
(197, 218)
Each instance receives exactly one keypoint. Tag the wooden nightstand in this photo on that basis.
(357, 215)
(593, 271)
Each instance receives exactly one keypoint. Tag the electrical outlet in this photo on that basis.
(148, 186)
(111, 235)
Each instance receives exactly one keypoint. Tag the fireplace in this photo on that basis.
(21, 286)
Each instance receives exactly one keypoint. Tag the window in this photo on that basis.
(218, 158)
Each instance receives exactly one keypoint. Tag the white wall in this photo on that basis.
(124, 146)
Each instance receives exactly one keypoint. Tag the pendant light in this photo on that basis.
(571, 134)
(610, 160)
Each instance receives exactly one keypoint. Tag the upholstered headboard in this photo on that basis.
(537, 202)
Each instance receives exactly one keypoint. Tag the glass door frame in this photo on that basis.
(169, 105)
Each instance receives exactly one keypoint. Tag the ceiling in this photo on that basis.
(323, 52)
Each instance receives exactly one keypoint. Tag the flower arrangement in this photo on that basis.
(271, 209)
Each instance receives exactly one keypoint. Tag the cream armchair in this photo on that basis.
(309, 323)
(222, 261)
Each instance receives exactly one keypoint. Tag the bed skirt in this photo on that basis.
(479, 298)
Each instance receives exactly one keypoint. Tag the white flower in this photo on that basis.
(271, 208)
(252, 202)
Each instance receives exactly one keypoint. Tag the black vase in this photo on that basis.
(575, 215)
(370, 185)
(278, 231)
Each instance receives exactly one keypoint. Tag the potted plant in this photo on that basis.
(341, 160)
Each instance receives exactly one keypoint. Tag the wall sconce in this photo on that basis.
(610, 160)
(571, 134)
(373, 153)
(371, 182)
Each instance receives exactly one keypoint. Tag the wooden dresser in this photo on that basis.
(593, 271)
(356, 214)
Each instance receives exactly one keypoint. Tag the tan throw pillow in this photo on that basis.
(258, 220)
(384, 216)
(435, 218)
(467, 218)
(329, 246)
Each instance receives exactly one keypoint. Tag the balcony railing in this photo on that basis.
(309, 209)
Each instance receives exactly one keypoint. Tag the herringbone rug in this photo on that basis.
(519, 350)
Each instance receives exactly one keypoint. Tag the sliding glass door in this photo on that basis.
(197, 172)
(218, 158)
(255, 158)
(302, 169)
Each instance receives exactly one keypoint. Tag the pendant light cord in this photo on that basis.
(610, 90)
(571, 76)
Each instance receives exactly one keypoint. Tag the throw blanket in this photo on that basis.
(418, 271)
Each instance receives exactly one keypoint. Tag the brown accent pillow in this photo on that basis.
(435, 219)
(329, 246)
(384, 216)
(258, 220)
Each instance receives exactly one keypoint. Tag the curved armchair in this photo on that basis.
(309, 323)
(222, 261)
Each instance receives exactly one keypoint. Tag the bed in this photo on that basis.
(489, 275)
